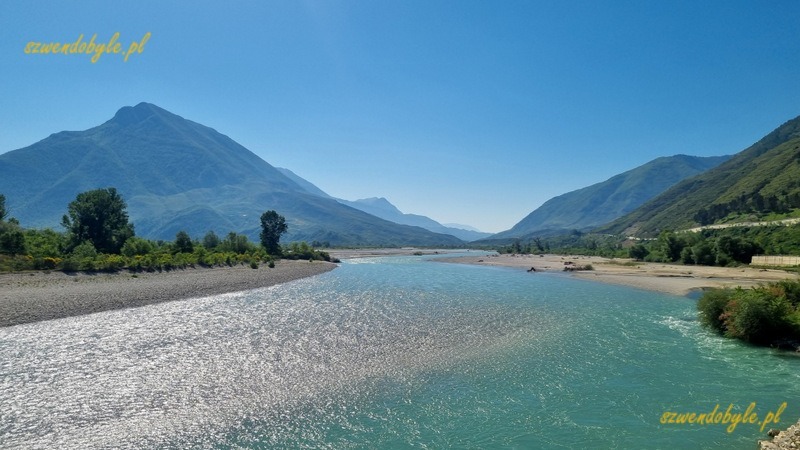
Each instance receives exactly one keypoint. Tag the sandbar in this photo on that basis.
(673, 279)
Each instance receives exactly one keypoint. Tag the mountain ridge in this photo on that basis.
(600, 203)
(176, 174)
(770, 168)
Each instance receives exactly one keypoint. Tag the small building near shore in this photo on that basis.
(775, 260)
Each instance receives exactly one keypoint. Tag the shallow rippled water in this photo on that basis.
(388, 353)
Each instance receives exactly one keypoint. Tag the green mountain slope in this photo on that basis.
(176, 174)
(763, 178)
(602, 202)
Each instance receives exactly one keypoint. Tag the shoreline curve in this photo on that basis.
(27, 297)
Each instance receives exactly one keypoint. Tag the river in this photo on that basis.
(391, 352)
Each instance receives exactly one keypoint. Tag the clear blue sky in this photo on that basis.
(474, 112)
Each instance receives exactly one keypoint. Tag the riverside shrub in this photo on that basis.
(712, 306)
(760, 315)
(136, 246)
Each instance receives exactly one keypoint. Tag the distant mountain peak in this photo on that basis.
(374, 200)
(128, 115)
(380, 203)
(462, 226)
(176, 174)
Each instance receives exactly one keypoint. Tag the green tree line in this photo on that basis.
(721, 247)
(724, 247)
(99, 236)
(574, 243)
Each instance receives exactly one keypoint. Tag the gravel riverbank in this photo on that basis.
(35, 296)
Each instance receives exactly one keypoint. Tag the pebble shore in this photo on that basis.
(36, 296)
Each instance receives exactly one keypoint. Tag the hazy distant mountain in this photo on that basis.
(176, 174)
(380, 207)
(465, 232)
(463, 227)
(765, 177)
(603, 202)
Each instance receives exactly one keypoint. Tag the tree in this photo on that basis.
(687, 256)
(638, 252)
(183, 243)
(538, 243)
(273, 225)
(100, 217)
(703, 254)
(236, 243)
(12, 239)
(670, 245)
(211, 240)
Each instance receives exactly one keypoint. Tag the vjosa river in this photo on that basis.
(391, 352)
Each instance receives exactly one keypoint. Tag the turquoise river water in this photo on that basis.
(391, 352)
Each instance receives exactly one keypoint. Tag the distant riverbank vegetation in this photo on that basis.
(715, 247)
(764, 315)
(99, 237)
